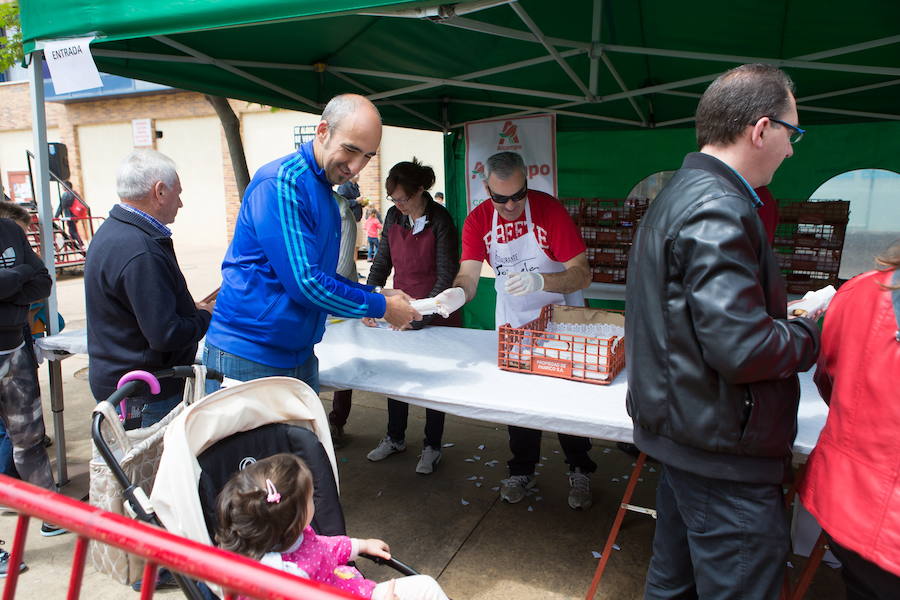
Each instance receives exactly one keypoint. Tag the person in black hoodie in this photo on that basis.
(140, 314)
(23, 279)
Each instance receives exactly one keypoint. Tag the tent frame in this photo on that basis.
(451, 15)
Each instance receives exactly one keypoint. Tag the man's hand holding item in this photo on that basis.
(519, 284)
(398, 311)
(813, 305)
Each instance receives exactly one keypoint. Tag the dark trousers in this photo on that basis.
(717, 539)
(525, 445)
(398, 415)
(864, 579)
(340, 407)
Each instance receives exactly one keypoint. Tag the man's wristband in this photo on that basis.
(378, 289)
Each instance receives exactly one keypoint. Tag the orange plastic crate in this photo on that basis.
(528, 349)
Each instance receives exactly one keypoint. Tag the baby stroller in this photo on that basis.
(218, 435)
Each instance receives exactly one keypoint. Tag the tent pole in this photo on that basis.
(595, 39)
(852, 113)
(551, 50)
(234, 70)
(45, 222)
(475, 74)
(540, 109)
(369, 90)
(853, 90)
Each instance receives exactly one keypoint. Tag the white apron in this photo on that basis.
(521, 255)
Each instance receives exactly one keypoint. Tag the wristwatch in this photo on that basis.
(378, 289)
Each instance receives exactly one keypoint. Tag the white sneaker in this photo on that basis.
(580, 492)
(385, 448)
(428, 460)
(514, 489)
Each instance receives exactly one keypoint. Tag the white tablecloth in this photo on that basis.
(455, 371)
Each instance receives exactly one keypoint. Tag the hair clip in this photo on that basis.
(272, 494)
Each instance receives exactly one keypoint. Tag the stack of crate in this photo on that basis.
(809, 240)
(607, 227)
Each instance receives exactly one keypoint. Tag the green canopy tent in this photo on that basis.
(621, 76)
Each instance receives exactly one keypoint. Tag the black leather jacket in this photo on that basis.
(712, 358)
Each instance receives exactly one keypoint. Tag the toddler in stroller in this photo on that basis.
(265, 511)
(229, 431)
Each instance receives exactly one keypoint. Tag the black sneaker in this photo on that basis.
(338, 440)
(48, 530)
(4, 564)
(164, 581)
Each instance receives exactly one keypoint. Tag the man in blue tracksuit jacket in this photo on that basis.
(279, 280)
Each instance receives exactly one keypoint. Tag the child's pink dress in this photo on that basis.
(324, 559)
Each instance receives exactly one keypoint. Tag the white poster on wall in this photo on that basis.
(533, 137)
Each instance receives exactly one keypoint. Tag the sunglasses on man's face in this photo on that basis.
(520, 195)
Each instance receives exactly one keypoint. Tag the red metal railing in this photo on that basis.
(239, 575)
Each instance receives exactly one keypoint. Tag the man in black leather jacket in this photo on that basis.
(712, 357)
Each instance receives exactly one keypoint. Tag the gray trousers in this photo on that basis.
(20, 410)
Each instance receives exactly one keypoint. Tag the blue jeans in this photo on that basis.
(373, 248)
(158, 407)
(7, 465)
(717, 539)
(244, 369)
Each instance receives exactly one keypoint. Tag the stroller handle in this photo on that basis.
(144, 376)
(392, 563)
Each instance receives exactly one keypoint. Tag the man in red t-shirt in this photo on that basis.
(539, 258)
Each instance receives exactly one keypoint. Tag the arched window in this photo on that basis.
(651, 185)
(874, 196)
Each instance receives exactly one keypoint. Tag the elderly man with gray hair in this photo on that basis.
(140, 314)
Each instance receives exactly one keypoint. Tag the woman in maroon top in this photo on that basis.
(419, 243)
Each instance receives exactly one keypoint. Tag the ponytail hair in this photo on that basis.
(410, 177)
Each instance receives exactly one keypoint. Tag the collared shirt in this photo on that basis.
(756, 201)
(153, 221)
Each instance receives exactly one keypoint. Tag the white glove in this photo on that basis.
(519, 284)
(450, 300)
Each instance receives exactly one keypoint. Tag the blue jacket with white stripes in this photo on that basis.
(278, 277)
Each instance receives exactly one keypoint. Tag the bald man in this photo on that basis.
(279, 273)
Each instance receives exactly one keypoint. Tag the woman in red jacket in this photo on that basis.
(852, 483)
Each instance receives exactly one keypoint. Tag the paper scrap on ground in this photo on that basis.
(464, 502)
(596, 554)
(449, 445)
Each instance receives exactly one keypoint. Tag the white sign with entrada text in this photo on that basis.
(534, 137)
(71, 65)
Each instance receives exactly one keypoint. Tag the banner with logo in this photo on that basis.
(533, 137)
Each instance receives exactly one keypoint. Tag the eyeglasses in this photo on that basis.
(520, 195)
(797, 134)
